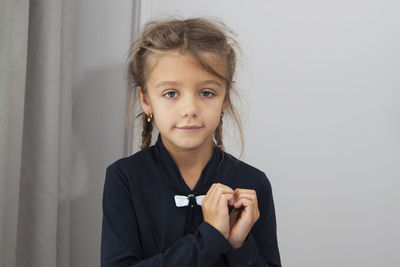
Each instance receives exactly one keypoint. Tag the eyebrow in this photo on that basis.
(172, 83)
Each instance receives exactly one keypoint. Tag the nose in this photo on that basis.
(189, 107)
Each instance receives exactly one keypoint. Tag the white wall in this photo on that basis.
(323, 121)
(102, 37)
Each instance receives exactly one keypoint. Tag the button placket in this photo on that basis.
(192, 200)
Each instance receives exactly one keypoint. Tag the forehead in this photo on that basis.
(174, 66)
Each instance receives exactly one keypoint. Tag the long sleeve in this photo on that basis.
(120, 238)
(260, 247)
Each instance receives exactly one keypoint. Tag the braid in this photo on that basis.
(218, 134)
(146, 133)
(218, 137)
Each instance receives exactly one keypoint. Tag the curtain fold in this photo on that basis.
(13, 50)
(35, 116)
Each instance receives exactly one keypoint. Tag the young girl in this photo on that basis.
(184, 201)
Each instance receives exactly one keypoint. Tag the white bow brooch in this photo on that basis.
(182, 201)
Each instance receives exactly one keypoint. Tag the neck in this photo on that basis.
(192, 160)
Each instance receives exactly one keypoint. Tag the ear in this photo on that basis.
(144, 101)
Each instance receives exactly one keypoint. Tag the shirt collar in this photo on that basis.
(208, 176)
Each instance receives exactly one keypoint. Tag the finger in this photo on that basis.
(208, 194)
(211, 191)
(245, 201)
(217, 191)
(249, 210)
(224, 189)
(221, 190)
(224, 186)
(245, 193)
(224, 199)
(249, 205)
(232, 200)
(233, 216)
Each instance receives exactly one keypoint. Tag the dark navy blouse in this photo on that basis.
(142, 226)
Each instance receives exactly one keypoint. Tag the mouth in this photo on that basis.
(189, 127)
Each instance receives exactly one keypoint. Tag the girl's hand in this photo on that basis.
(215, 207)
(243, 216)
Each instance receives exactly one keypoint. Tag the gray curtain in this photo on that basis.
(35, 132)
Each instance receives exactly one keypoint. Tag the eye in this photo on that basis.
(207, 93)
(170, 94)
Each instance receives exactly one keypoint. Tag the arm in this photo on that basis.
(120, 240)
(261, 246)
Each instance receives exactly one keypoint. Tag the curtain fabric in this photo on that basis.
(35, 132)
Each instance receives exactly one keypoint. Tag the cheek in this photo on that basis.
(163, 114)
(213, 115)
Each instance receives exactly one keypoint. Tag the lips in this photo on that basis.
(189, 127)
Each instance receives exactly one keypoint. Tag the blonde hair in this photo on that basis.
(192, 37)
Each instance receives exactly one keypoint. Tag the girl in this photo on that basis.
(184, 201)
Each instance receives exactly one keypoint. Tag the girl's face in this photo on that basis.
(182, 95)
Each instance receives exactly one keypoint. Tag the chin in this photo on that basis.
(188, 142)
